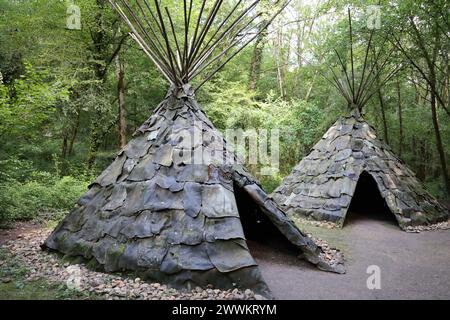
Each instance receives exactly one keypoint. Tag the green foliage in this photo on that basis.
(14, 169)
(53, 92)
(301, 124)
(45, 194)
(34, 101)
(230, 105)
(4, 96)
(270, 183)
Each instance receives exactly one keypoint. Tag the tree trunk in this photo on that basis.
(279, 60)
(311, 86)
(419, 154)
(310, 89)
(383, 115)
(121, 92)
(94, 144)
(400, 119)
(382, 104)
(255, 65)
(99, 48)
(300, 39)
(439, 145)
(64, 146)
(423, 156)
(74, 133)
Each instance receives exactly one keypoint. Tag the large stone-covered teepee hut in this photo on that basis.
(176, 205)
(350, 158)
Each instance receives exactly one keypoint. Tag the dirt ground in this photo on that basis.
(17, 231)
(413, 266)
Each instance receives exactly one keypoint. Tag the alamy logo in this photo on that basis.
(74, 281)
(374, 280)
(73, 21)
(373, 13)
(200, 146)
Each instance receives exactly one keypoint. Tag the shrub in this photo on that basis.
(14, 169)
(270, 183)
(25, 201)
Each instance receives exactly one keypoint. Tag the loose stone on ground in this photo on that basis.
(44, 265)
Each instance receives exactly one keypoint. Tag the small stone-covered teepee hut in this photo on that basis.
(349, 157)
(176, 205)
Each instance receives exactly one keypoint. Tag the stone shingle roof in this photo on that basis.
(321, 186)
(155, 212)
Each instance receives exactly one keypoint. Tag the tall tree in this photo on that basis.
(256, 62)
(400, 117)
(427, 30)
(280, 57)
(120, 71)
(104, 48)
(426, 34)
(260, 43)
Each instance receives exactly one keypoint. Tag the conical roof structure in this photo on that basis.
(156, 211)
(175, 204)
(322, 185)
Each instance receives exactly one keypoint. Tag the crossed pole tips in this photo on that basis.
(202, 43)
(357, 91)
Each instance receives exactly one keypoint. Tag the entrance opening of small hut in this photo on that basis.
(367, 202)
(260, 232)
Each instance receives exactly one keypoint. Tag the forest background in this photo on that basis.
(71, 97)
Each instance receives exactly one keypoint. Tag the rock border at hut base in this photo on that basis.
(331, 255)
(445, 225)
(315, 223)
(43, 265)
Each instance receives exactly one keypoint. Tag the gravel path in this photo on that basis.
(413, 265)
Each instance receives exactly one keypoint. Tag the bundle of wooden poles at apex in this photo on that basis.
(199, 49)
(358, 91)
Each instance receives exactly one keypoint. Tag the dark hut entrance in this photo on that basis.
(367, 202)
(264, 240)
